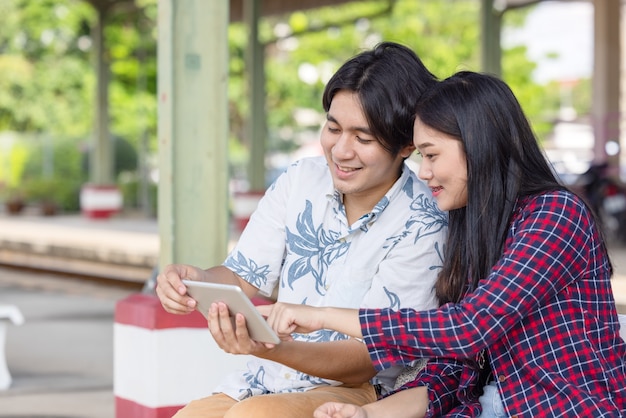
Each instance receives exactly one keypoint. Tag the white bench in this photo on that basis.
(622, 329)
(8, 313)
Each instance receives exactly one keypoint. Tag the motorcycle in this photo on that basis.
(608, 199)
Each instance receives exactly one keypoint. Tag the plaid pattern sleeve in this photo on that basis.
(441, 377)
(545, 317)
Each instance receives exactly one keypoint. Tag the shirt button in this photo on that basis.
(287, 375)
(501, 378)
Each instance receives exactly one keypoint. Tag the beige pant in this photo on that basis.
(277, 405)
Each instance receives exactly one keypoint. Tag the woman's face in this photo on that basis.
(443, 166)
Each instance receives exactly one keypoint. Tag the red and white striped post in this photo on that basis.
(163, 361)
(100, 201)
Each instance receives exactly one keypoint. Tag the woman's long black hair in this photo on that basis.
(504, 163)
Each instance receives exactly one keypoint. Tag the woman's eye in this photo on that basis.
(333, 130)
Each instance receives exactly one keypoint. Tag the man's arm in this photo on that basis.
(347, 361)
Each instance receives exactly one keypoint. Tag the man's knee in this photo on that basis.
(299, 404)
(214, 406)
(260, 406)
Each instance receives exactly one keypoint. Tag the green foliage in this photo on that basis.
(62, 192)
(130, 186)
(10, 193)
(125, 158)
(445, 34)
(47, 77)
(53, 157)
(43, 73)
(48, 81)
(13, 161)
(130, 37)
(52, 171)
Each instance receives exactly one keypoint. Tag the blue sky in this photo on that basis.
(565, 28)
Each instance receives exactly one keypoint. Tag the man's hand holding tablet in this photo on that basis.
(207, 293)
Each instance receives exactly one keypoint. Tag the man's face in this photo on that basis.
(359, 165)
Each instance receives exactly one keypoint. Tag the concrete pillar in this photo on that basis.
(491, 51)
(193, 131)
(606, 79)
(101, 158)
(256, 126)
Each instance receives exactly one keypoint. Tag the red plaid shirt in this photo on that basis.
(544, 322)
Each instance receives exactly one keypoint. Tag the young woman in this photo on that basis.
(527, 324)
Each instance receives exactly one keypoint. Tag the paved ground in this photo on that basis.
(61, 358)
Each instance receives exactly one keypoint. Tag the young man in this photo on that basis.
(354, 229)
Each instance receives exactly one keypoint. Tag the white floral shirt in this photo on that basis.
(299, 240)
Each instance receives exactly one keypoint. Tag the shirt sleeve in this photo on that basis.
(548, 247)
(260, 265)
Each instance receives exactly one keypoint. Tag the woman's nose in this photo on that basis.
(424, 172)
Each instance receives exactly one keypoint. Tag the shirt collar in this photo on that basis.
(336, 198)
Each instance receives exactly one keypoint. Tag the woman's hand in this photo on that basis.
(339, 410)
(287, 318)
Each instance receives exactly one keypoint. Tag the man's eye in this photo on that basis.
(364, 140)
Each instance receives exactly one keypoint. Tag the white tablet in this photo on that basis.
(206, 293)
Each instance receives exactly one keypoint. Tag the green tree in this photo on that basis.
(47, 77)
(446, 35)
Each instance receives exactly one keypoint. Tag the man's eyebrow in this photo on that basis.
(365, 129)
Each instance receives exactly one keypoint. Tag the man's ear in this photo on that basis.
(407, 151)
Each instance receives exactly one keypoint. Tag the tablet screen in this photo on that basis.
(206, 293)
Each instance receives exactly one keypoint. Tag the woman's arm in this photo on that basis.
(551, 239)
(287, 318)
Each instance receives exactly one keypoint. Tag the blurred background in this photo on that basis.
(135, 133)
(49, 71)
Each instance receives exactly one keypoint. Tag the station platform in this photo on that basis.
(123, 247)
